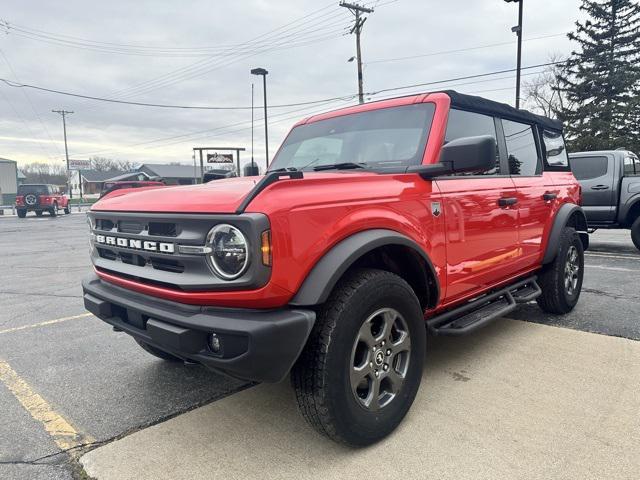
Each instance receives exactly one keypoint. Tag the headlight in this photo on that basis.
(229, 257)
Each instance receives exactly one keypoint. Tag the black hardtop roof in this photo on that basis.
(502, 110)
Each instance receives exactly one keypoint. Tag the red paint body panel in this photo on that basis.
(474, 244)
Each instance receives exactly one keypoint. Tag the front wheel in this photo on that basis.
(635, 233)
(361, 368)
(561, 280)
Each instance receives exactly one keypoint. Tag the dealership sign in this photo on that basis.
(79, 164)
(219, 158)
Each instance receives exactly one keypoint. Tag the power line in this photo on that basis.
(459, 50)
(156, 105)
(201, 107)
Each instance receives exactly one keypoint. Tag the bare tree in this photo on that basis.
(544, 94)
(38, 172)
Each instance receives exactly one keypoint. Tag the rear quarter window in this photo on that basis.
(556, 158)
(37, 189)
(587, 168)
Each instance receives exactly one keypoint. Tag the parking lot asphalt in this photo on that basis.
(105, 386)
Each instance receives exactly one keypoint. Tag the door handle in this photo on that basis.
(507, 201)
(548, 196)
(600, 187)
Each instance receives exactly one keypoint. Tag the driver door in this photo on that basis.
(481, 217)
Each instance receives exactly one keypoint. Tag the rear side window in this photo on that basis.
(631, 166)
(468, 124)
(555, 149)
(587, 168)
(521, 149)
(37, 189)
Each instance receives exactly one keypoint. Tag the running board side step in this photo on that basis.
(477, 313)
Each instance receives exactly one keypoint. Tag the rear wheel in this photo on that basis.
(635, 233)
(158, 353)
(561, 280)
(21, 213)
(361, 368)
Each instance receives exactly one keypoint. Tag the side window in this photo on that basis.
(555, 149)
(468, 124)
(588, 168)
(631, 166)
(521, 148)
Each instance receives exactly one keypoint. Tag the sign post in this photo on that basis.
(78, 165)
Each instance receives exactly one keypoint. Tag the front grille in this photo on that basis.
(163, 229)
(106, 225)
(125, 226)
(146, 247)
(167, 265)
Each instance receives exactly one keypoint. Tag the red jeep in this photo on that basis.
(40, 198)
(437, 212)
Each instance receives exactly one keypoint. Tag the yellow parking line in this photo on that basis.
(63, 433)
(42, 324)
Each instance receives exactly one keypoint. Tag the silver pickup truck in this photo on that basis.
(610, 181)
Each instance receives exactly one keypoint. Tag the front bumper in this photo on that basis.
(258, 345)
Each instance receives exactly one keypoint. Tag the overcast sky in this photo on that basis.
(200, 53)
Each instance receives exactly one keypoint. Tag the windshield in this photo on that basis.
(37, 189)
(390, 137)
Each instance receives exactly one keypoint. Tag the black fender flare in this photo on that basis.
(322, 278)
(561, 220)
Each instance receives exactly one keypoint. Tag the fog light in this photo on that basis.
(214, 343)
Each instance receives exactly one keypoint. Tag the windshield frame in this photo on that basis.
(430, 108)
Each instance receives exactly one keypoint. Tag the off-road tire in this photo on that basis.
(53, 211)
(67, 210)
(556, 298)
(321, 376)
(21, 213)
(158, 353)
(635, 233)
(38, 213)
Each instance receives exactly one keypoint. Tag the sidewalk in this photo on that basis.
(516, 400)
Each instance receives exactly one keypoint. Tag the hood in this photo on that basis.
(218, 196)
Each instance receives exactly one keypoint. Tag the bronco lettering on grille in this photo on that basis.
(149, 246)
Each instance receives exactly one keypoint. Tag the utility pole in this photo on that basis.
(357, 11)
(518, 31)
(64, 114)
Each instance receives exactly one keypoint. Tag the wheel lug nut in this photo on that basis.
(388, 352)
(377, 373)
(383, 343)
(386, 367)
(371, 364)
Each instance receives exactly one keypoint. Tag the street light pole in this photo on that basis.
(263, 72)
(64, 114)
(518, 31)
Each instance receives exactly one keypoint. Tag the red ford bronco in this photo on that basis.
(40, 198)
(437, 212)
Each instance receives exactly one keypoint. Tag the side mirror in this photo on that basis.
(467, 154)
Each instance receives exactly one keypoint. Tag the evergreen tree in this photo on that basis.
(601, 81)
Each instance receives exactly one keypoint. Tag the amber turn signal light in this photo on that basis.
(265, 247)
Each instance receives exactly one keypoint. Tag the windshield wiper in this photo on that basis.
(339, 166)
